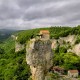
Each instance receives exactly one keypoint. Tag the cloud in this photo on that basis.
(27, 14)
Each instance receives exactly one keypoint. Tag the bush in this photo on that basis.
(2, 51)
(78, 40)
(62, 50)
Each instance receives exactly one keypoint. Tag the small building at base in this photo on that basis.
(58, 70)
(73, 73)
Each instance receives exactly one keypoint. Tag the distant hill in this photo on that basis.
(5, 33)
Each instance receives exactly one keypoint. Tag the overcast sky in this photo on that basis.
(27, 14)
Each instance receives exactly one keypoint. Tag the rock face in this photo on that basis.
(54, 44)
(39, 56)
(68, 42)
(18, 46)
(76, 49)
(70, 38)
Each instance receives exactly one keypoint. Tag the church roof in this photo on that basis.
(44, 32)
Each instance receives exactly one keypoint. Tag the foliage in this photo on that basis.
(67, 60)
(62, 50)
(72, 61)
(13, 65)
(53, 76)
(24, 36)
(55, 32)
(78, 39)
(2, 51)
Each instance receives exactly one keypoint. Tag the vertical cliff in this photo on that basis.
(39, 57)
(18, 46)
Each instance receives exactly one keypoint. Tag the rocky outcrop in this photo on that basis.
(69, 39)
(18, 46)
(39, 57)
(54, 44)
(75, 49)
(68, 42)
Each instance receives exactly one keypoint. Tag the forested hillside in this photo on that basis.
(13, 65)
(55, 32)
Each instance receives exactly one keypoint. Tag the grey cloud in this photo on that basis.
(7, 11)
(28, 3)
(25, 14)
(53, 11)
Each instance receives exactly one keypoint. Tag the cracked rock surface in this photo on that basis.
(39, 56)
